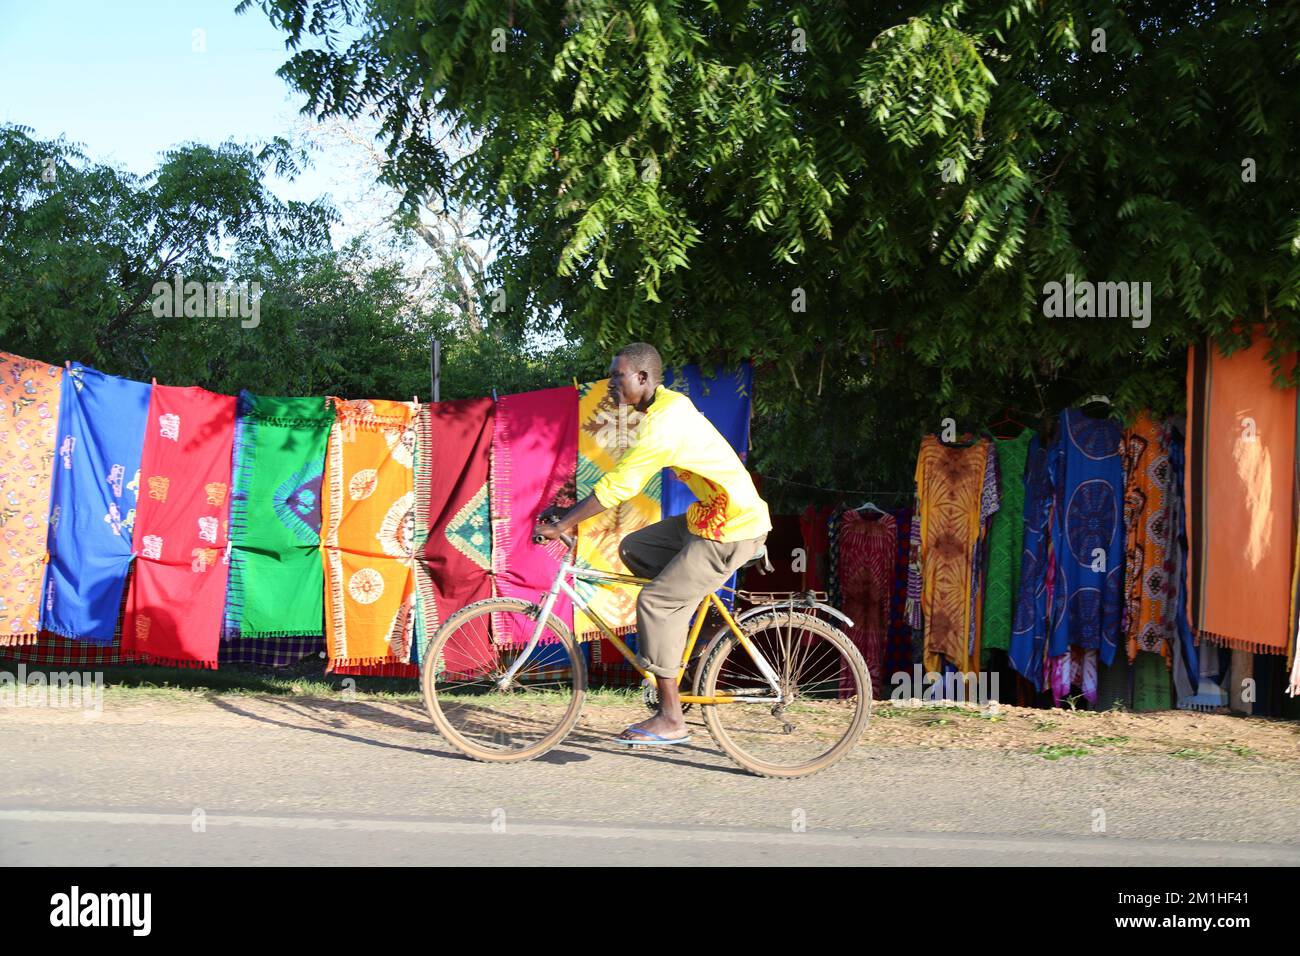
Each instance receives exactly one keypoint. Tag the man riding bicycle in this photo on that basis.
(689, 555)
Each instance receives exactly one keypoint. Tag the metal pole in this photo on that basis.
(435, 368)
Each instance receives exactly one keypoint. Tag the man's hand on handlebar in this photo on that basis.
(547, 527)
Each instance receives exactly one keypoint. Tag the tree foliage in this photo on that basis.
(682, 172)
(81, 248)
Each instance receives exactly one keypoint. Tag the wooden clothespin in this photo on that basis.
(575, 383)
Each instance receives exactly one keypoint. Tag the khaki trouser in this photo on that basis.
(685, 567)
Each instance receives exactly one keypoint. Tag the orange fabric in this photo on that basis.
(1240, 494)
(367, 533)
(29, 416)
(949, 487)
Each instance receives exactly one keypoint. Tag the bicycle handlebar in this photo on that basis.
(569, 541)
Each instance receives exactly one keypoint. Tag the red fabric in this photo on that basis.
(534, 466)
(453, 560)
(817, 546)
(781, 543)
(178, 592)
(868, 552)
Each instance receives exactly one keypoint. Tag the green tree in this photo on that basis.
(82, 246)
(912, 174)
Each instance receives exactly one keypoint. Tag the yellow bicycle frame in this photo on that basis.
(613, 577)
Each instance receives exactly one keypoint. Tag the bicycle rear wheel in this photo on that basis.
(463, 668)
(825, 698)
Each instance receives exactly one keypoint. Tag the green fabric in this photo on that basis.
(1152, 684)
(277, 584)
(1006, 537)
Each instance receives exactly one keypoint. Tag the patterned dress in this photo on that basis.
(1149, 624)
(1088, 533)
(868, 548)
(950, 488)
(1030, 625)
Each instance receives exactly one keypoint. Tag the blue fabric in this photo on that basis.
(92, 514)
(1087, 472)
(1029, 629)
(725, 400)
(1191, 660)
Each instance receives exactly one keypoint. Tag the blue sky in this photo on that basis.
(122, 77)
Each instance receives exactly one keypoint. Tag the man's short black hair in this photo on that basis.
(644, 357)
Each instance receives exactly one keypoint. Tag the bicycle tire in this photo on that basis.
(429, 673)
(711, 713)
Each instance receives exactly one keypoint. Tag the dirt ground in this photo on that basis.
(1050, 734)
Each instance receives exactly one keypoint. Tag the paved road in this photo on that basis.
(234, 780)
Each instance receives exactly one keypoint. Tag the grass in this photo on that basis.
(1057, 751)
(1240, 750)
(1106, 741)
(307, 679)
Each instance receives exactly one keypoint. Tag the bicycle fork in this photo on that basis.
(560, 583)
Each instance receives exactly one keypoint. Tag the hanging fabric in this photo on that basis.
(1005, 540)
(950, 484)
(1087, 535)
(724, 397)
(1240, 498)
(534, 465)
(868, 548)
(453, 520)
(93, 502)
(367, 533)
(277, 580)
(606, 431)
(1186, 666)
(29, 422)
(899, 657)
(814, 528)
(1148, 620)
(177, 599)
(1031, 624)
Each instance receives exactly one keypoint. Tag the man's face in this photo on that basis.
(626, 385)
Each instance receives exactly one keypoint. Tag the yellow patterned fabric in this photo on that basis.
(602, 441)
(29, 416)
(367, 533)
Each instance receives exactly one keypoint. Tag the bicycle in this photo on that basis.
(498, 671)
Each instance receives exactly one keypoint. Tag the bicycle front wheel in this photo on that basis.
(481, 713)
(825, 699)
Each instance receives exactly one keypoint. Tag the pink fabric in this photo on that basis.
(534, 466)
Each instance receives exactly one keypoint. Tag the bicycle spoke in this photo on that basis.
(824, 701)
(482, 716)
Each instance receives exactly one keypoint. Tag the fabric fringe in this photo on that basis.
(364, 662)
(499, 471)
(146, 658)
(267, 635)
(597, 633)
(388, 669)
(1237, 643)
(17, 640)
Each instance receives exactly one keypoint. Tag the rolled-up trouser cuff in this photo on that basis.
(645, 665)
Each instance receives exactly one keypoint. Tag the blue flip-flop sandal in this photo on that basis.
(652, 740)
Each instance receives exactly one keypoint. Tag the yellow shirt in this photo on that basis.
(673, 434)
